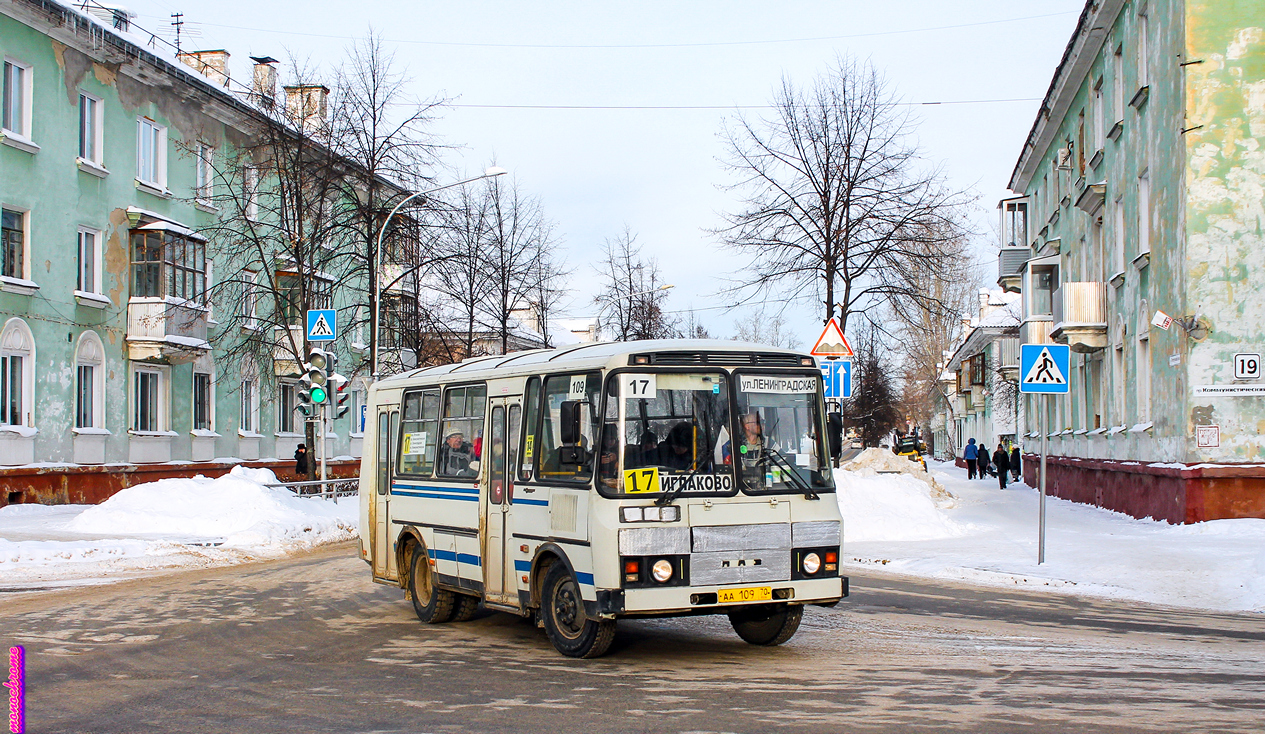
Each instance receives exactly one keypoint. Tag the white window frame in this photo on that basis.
(1143, 30)
(1144, 213)
(358, 401)
(90, 352)
(163, 427)
(296, 418)
(210, 396)
(1098, 121)
(250, 192)
(94, 267)
(158, 181)
(98, 135)
(16, 340)
(250, 300)
(204, 182)
(25, 116)
(248, 406)
(24, 275)
(1117, 85)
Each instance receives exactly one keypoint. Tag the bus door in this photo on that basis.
(502, 455)
(388, 423)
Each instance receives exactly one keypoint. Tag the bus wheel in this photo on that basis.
(569, 628)
(432, 604)
(767, 624)
(465, 608)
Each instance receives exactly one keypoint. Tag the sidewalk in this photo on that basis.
(989, 536)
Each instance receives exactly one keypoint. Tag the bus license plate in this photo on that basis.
(739, 596)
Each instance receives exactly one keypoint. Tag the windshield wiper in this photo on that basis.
(667, 497)
(788, 468)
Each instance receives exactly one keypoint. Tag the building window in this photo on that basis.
(204, 189)
(1117, 247)
(1117, 84)
(11, 403)
(358, 411)
(151, 153)
(1144, 374)
(89, 267)
(166, 264)
(17, 373)
(290, 285)
(12, 243)
(203, 402)
(287, 406)
(1097, 122)
(89, 381)
(250, 300)
(1144, 214)
(16, 115)
(250, 192)
(1144, 28)
(977, 364)
(1044, 281)
(1015, 223)
(90, 118)
(148, 408)
(249, 419)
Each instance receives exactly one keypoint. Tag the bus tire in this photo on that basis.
(570, 630)
(432, 604)
(767, 624)
(465, 607)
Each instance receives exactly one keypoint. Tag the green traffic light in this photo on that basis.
(318, 395)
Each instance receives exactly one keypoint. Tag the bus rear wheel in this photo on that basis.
(570, 630)
(465, 607)
(432, 604)
(767, 624)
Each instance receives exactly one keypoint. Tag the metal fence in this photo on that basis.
(327, 489)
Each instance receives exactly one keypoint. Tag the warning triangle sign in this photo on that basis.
(1044, 371)
(321, 328)
(832, 343)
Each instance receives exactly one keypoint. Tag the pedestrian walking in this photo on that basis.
(1016, 463)
(981, 462)
(300, 461)
(969, 457)
(1002, 460)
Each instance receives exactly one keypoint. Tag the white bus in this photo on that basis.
(605, 480)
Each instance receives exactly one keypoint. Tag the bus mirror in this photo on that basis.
(569, 421)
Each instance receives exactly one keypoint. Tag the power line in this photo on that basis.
(701, 44)
(710, 107)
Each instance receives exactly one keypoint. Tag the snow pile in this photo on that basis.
(882, 461)
(989, 537)
(897, 506)
(171, 523)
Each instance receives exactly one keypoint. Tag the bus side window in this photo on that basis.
(420, 433)
(587, 388)
(462, 440)
(531, 426)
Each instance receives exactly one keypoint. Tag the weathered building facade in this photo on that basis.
(108, 338)
(1141, 194)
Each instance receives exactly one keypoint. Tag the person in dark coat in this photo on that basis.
(969, 457)
(300, 460)
(1002, 460)
(1016, 463)
(981, 462)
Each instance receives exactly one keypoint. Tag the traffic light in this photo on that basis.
(315, 380)
(337, 386)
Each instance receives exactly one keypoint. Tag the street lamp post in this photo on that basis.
(621, 298)
(492, 172)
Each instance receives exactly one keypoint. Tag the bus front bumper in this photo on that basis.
(683, 600)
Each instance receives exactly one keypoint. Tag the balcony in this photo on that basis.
(166, 329)
(1080, 316)
(1010, 261)
(1035, 330)
(1009, 352)
(283, 354)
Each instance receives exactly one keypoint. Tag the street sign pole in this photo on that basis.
(324, 441)
(1045, 446)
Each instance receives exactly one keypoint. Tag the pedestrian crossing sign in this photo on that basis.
(1044, 368)
(321, 325)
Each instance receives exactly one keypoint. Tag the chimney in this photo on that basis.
(211, 64)
(263, 85)
(305, 103)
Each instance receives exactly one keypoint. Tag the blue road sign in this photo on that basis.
(836, 374)
(322, 325)
(1043, 368)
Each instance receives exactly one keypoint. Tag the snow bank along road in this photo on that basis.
(308, 644)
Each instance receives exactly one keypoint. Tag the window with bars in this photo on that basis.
(168, 264)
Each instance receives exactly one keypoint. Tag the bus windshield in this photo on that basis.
(669, 429)
(781, 447)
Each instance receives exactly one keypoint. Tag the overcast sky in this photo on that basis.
(657, 170)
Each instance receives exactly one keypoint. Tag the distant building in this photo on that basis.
(1139, 194)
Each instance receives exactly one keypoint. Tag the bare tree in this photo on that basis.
(761, 327)
(836, 204)
(873, 407)
(692, 328)
(632, 291)
(516, 241)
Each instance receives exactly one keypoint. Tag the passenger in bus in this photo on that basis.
(455, 456)
(676, 451)
(643, 453)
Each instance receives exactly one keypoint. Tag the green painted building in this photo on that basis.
(108, 343)
(1135, 237)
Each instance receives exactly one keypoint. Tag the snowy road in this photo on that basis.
(308, 644)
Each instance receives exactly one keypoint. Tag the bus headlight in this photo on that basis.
(661, 571)
(812, 563)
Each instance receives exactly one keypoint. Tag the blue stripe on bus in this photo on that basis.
(435, 496)
(433, 488)
(584, 578)
(517, 501)
(522, 565)
(446, 555)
